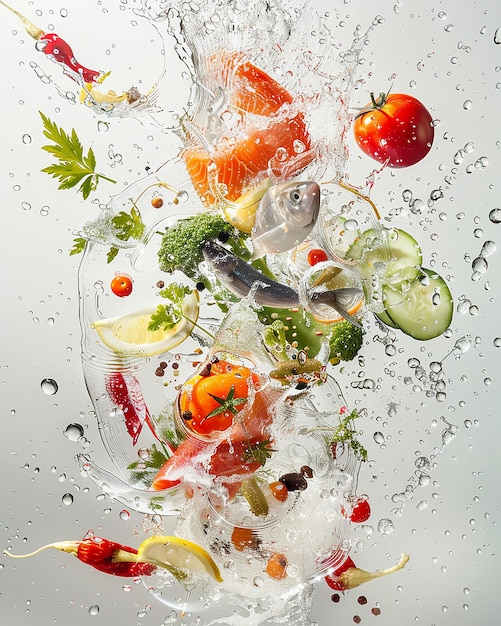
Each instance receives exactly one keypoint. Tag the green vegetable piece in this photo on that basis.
(345, 341)
(73, 167)
(254, 495)
(181, 247)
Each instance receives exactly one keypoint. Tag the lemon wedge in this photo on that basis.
(129, 334)
(177, 554)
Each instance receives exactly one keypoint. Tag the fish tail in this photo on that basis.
(331, 298)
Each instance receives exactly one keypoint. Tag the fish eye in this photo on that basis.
(295, 195)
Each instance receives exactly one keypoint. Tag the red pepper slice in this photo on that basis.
(56, 48)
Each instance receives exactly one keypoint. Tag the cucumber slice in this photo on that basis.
(394, 252)
(424, 311)
(386, 319)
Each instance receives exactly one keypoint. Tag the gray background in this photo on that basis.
(445, 54)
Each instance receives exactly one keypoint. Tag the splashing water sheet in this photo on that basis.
(203, 104)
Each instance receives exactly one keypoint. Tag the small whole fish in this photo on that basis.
(285, 217)
(240, 278)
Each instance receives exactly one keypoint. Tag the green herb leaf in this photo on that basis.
(229, 403)
(78, 245)
(259, 452)
(346, 433)
(73, 167)
(145, 470)
(168, 315)
(128, 225)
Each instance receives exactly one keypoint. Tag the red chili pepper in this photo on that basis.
(53, 46)
(125, 392)
(348, 575)
(101, 554)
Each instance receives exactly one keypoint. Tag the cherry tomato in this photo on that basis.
(121, 285)
(317, 256)
(361, 510)
(395, 129)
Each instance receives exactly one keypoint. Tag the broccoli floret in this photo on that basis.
(345, 341)
(181, 247)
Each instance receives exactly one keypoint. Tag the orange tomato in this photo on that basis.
(244, 538)
(277, 566)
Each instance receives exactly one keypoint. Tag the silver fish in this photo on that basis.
(285, 217)
(240, 278)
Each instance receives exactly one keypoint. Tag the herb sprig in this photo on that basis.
(345, 433)
(73, 167)
(168, 315)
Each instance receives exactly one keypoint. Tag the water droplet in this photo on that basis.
(497, 342)
(497, 35)
(257, 581)
(26, 139)
(488, 248)
(379, 437)
(73, 432)
(49, 386)
(94, 609)
(467, 104)
(385, 526)
(67, 499)
(495, 216)
(480, 265)
(102, 127)
(124, 515)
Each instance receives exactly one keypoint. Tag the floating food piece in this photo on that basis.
(265, 131)
(277, 566)
(177, 554)
(254, 495)
(129, 334)
(240, 278)
(104, 555)
(285, 217)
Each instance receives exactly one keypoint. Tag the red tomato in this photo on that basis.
(121, 285)
(361, 510)
(395, 129)
(317, 256)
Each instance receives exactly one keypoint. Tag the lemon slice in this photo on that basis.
(129, 334)
(336, 278)
(177, 554)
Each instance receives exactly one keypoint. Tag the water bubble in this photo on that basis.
(495, 216)
(73, 432)
(26, 139)
(67, 499)
(94, 609)
(497, 35)
(385, 526)
(49, 386)
(497, 342)
(488, 248)
(124, 515)
(467, 104)
(379, 437)
(480, 265)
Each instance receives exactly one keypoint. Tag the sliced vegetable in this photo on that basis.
(129, 334)
(424, 310)
(176, 554)
(395, 254)
(254, 495)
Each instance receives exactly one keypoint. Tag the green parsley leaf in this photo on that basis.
(128, 225)
(78, 245)
(168, 315)
(74, 168)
